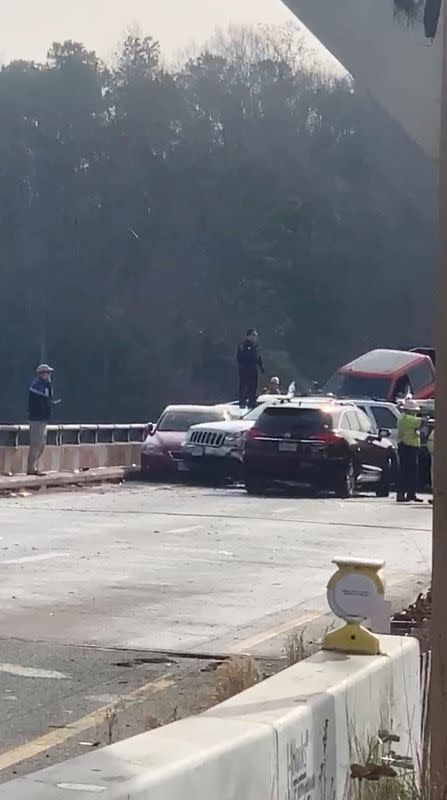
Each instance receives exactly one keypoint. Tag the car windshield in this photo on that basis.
(348, 384)
(180, 421)
(276, 421)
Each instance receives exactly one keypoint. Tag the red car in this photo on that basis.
(385, 375)
(162, 448)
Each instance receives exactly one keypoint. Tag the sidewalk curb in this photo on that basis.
(51, 480)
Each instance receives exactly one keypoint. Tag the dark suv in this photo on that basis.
(331, 446)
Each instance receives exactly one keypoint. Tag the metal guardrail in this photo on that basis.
(18, 435)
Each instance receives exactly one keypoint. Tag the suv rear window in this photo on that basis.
(276, 421)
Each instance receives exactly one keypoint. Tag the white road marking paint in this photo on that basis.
(31, 672)
(225, 553)
(186, 529)
(108, 699)
(284, 510)
(39, 557)
(81, 787)
(245, 645)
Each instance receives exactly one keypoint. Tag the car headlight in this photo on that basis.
(232, 438)
(152, 449)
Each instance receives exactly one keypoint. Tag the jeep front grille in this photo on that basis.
(208, 438)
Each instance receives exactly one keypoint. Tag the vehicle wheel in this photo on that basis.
(254, 486)
(345, 485)
(383, 487)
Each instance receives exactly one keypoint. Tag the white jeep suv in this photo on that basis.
(214, 449)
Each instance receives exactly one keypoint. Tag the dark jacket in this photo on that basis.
(248, 357)
(40, 401)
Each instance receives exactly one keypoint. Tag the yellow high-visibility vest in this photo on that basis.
(408, 430)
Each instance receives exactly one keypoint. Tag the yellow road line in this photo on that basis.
(245, 645)
(59, 736)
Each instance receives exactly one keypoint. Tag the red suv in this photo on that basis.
(331, 446)
(385, 375)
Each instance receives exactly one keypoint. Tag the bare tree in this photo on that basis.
(245, 45)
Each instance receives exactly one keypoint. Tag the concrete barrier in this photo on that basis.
(71, 457)
(292, 737)
(73, 447)
(328, 710)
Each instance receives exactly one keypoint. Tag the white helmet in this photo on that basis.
(410, 404)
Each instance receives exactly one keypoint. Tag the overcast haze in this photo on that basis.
(27, 27)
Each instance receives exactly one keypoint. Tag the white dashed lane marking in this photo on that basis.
(186, 529)
(31, 672)
(27, 559)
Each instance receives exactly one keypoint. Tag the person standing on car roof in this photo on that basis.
(249, 362)
(408, 444)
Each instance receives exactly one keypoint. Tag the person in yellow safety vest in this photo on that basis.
(408, 444)
(431, 450)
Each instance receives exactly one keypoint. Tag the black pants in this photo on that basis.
(408, 470)
(248, 388)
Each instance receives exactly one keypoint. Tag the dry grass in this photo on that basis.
(402, 786)
(295, 648)
(111, 722)
(234, 676)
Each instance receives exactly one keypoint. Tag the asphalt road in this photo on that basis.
(94, 584)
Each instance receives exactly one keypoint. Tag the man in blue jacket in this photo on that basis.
(40, 402)
(249, 363)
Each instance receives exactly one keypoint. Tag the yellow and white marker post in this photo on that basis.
(354, 593)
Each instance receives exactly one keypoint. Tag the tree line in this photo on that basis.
(148, 216)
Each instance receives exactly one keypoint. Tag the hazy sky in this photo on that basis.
(27, 27)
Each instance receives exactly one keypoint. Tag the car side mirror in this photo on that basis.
(384, 433)
(149, 429)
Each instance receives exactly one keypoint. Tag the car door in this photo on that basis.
(349, 429)
(373, 448)
(341, 423)
(367, 437)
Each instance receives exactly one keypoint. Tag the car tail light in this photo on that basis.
(328, 437)
(253, 433)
